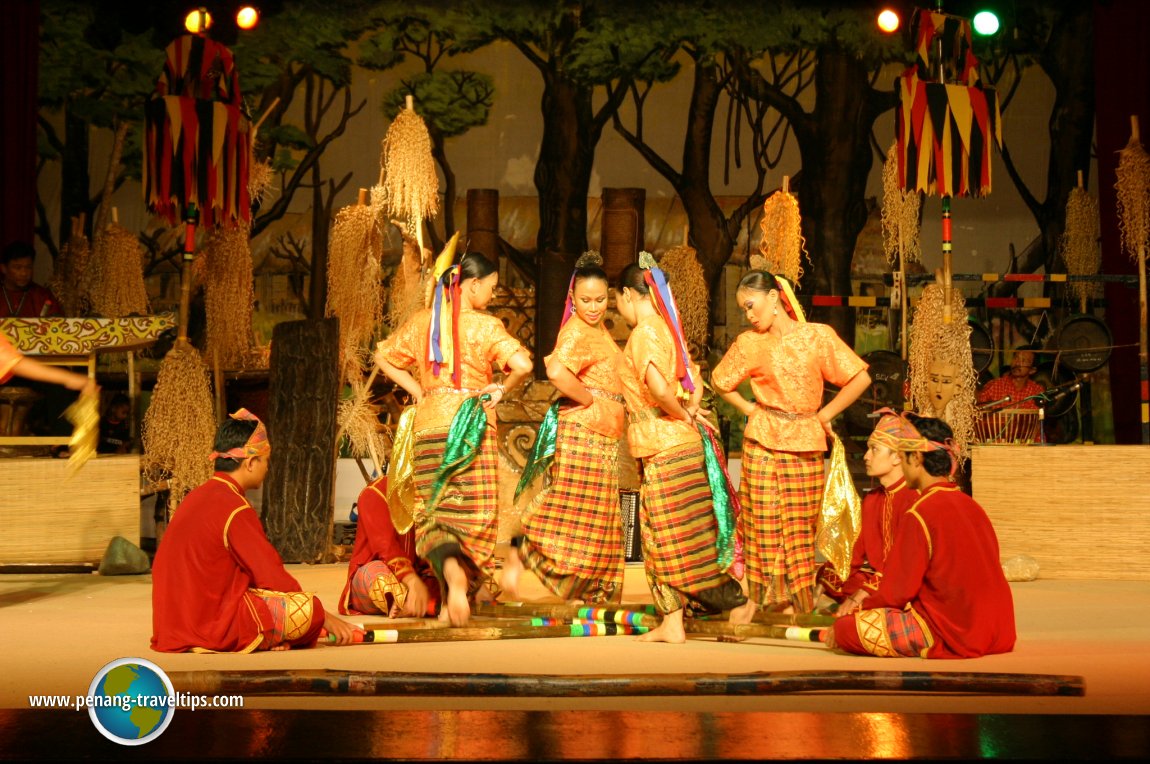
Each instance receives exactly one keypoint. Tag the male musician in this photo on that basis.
(22, 297)
(1016, 388)
(943, 594)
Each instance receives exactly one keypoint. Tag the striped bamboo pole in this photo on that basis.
(519, 609)
(331, 682)
(488, 633)
(745, 630)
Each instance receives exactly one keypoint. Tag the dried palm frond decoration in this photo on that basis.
(229, 297)
(70, 279)
(180, 425)
(681, 264)
(410, 182)
(782, 242)
(1081, 245)
(932, 339)
(900, 213)
(116, 283)
(353, 282)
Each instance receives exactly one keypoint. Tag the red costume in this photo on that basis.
(377, 540)
(882, 511)
(206, 579)
(944, 571)
(34, 301)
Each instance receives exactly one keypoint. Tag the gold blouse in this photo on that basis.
(483, 341)
(787, 376)
(591, 354)
(650, 430)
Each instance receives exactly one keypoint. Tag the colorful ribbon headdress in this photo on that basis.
(443, 331)
(256, 445)
(665, 306)
(897, 432)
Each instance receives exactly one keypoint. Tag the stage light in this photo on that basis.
(247, 17)
(888, 21)
(198, 21)
(986, 23)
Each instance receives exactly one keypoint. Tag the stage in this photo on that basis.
(58, 630)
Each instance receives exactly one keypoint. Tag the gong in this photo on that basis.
(1083, 343)
(981, 347)
(888, 373)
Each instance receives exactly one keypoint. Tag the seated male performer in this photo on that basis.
(384, 576)
(943, 593)
(882, 510)
(218, 585)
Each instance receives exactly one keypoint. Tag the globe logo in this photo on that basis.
(131, 701)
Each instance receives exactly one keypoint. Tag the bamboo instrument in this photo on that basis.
(331, 682)
(488, 633)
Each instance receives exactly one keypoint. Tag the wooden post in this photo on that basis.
(1143, 354)
(946, 261)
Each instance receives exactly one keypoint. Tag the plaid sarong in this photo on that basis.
(294, 617)
(467, 513)
(573, 530)
(781, 494)
(679, 533)
(887, 633)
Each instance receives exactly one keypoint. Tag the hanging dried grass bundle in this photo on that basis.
(179, 426)
(260, 177)
(410, 285)
(1133, 186)
(900, 210)
(934, 341)
(682, 267)
(70, 279)
(1080, 245)
(410, 183)
(229, 297)
(353, 282)
(116, 286)
(358, 419)
(782, 242)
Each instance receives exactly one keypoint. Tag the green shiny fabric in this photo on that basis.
(468, 427)
(724, 500)
(543, 452)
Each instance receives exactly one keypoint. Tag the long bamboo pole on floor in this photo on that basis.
(520, 609)
(490, 633)
(329, 682)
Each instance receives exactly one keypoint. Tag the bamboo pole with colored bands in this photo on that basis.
(744, 630)
(519, 609)
(468, 634)
(330, 682)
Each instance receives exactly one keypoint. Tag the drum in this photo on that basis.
(1007, 426)
(15, 405)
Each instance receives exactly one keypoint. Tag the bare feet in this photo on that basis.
(279, 648)
(743, 613)
(669, 631)
(457, 608)
(512, 569)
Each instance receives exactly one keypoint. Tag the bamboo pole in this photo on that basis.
(946, 261)
(645, 615)
(490, 633)
(745, 630)
(379, 683)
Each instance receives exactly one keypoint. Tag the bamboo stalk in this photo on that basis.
(520, 609)
(1143, 354)
(745, 630)
(331, 682)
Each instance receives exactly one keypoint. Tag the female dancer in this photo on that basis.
(453, 346)
(787, 361)
(572, 531)
(676, 512)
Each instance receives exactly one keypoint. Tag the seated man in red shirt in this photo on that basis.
(384, 576)
(1015, 389)
(218, 585)
(882, 510)
(23, 297)
(943, 594)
